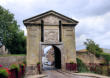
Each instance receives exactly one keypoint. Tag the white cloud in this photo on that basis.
(96, 28)
(93, 16)
(80, 41)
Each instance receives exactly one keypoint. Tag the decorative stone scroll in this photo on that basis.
(51, 36)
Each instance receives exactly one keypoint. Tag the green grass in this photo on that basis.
(12, 55)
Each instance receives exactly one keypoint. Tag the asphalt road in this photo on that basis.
(53, 73)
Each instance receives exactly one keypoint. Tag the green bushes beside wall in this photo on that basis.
(81, 67)
(3, 73)
(15, 71)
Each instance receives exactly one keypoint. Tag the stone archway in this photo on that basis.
(50, 28)
(59, 55)
(51, 58)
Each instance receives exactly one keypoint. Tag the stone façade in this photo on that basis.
(51, 37)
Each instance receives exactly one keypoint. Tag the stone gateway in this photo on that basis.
(50, 29)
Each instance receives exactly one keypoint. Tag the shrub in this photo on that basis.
(24, 61)
(106, 56)
(14, 66)
(38, 63)
(97, 54)
(22, 64)
(71, 62)
(81, 66)
(4, 73)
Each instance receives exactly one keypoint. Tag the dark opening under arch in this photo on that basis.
(57, 57)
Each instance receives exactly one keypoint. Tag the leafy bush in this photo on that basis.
(81, 66)
(4, 72)
(14, 66)
(38, 63)
(71, 62)
(98, 70)
(22, 64)
(97, 54)
(106, 56)
(24, 61)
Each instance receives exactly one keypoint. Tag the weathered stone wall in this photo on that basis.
(68, 38)
(51, 22)
(51, 34)
(88, 58)
(33, 44)
(6, 61)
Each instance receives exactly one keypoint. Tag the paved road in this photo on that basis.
(55, 74)
(52, 73)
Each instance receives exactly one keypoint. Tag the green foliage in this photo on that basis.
(14, 66)
(10, 34)
(22, 64)
(106, 56)
(38, 62)
(19, 41)
(4, 72)
(81, 66)
(71, 62)
(98, 70)
(93, 48)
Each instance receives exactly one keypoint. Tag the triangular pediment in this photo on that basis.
(52, 17)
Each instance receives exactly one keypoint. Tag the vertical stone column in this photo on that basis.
(33, 39)
(69, 44)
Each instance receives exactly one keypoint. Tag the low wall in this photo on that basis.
(88, 58)
(6, 61)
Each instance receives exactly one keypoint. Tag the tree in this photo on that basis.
(92, 47)
(10, 34)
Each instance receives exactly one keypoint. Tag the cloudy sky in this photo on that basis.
(93, 16)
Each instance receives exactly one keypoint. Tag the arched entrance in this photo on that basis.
(51, 58)
(57, 57)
